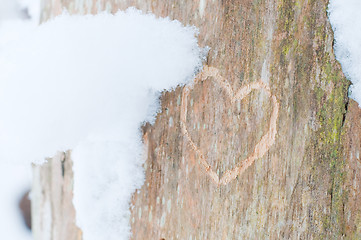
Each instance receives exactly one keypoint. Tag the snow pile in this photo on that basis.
(12, 30)
(346, 21)
(87, 83)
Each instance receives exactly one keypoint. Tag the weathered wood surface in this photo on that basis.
(53, 214)
(307, 184)
(352, 168)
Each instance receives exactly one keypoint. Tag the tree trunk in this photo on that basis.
(277, 163)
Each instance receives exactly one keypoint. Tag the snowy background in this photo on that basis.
(92, 81)
(17, 19)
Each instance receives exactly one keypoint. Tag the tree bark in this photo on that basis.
(53, 214)
(303, 184)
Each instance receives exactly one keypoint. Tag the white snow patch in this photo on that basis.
(12, 30)
(87, 83)
(345, 18)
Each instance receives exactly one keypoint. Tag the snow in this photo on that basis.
(346, 21)
(15, 179)
(9, 9)
(88, 83)
(32, 8)
(14, 182)
(19, 9)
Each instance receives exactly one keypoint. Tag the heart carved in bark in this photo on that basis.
(260, 149)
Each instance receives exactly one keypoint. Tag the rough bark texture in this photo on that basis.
(307, 185)
(352, 168)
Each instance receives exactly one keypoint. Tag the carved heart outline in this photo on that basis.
(261, 148)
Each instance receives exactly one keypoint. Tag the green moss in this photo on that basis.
(330, 116)
(285, 49)
(328, 98)
(287, 13)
